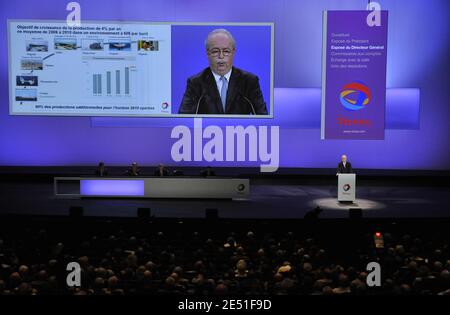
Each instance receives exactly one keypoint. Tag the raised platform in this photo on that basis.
(274, 198)
(152, 187)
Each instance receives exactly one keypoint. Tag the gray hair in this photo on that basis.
(220, 31)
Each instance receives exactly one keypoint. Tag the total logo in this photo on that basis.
(355, 96)
(165, 105)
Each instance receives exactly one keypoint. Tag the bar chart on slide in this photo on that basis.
(107, 78)
(113, 82)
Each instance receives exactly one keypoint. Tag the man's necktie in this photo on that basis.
(223, 92)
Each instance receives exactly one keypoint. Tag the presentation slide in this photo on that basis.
(140, 69)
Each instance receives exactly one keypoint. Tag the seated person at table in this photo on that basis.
(178, 173)
(161, 171)
(101, 170)
(133, 170)
(208, 172)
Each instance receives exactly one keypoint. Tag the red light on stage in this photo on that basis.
(377, 234)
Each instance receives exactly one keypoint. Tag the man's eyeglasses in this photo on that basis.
(216, 52)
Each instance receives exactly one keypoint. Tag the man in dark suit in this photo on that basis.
(101, 170)
(222, 88)
(344, 167)
(208, 172)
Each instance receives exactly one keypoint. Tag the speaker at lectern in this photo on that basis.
(346, 187)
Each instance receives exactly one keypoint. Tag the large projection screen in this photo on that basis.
(110, 68)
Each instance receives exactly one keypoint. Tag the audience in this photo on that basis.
(136, 262)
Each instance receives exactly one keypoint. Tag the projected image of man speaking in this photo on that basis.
(222, 88)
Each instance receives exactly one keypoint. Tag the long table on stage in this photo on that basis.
(151, 187)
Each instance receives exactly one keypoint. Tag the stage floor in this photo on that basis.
(274, 198)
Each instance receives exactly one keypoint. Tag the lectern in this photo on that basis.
(346, 187)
